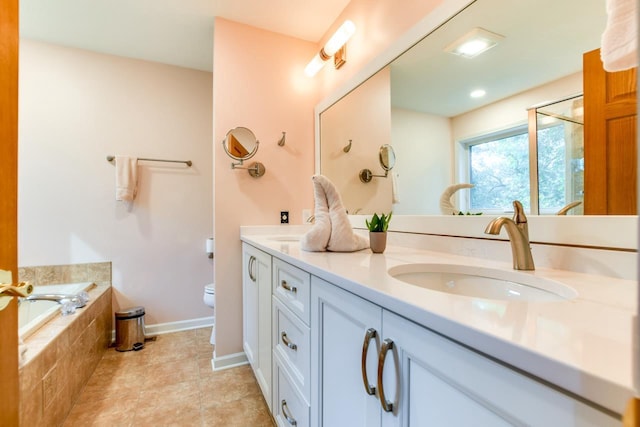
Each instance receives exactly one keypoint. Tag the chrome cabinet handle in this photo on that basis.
(386, 346)
(287, 342)
(288, 287)
(252, 261)
(371, 334)
(288, 417)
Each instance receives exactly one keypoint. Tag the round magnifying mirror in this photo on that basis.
(387, 157)
(240, 143)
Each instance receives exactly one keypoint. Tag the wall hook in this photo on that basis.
(282, 140)
(347, 147)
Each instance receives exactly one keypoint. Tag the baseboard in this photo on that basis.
(169, 327)
(228, 361)
(181, 325)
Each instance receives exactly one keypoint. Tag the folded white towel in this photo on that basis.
(332, 230)
(342, 238)
(126, 178)
(619, 50)
(317, 239)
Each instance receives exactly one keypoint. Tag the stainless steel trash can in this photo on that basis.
(130, 329)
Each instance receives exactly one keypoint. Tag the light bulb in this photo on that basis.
(340, 37)
(314, 66)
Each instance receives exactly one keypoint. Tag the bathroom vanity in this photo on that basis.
(335, 339)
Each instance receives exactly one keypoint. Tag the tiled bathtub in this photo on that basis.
(63, 353)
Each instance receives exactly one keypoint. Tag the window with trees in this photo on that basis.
(498, 165)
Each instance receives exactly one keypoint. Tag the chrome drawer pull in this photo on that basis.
(252, 260)
(288, 417)
(371, 334)
(286, 341)
(288, 287)
(386, 346)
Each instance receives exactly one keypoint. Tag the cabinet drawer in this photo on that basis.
(292, 286)
(289, 406)
(291, 341)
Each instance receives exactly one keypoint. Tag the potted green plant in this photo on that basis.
(378, 231)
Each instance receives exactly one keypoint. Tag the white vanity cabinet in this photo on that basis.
(291, 344)
(340, 322)
(256, 315)
(424, 378)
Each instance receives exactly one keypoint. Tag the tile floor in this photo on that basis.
(169, 383)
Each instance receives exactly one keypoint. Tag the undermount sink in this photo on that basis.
(482, 282)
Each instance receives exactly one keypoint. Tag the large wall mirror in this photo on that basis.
(422, 104)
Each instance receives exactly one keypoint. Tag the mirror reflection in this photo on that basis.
(240, 143)
(444, 112)
(387, 157)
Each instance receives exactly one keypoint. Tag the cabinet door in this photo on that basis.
(340, 321)
(256, 295)
(250, 305)
(446, 384)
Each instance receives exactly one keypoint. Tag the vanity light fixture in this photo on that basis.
(474, 43)
(478, 93)
(336, 47)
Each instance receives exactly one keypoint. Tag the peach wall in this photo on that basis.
(351, 118)
(258, 83)
(378, 25)
(76, 107)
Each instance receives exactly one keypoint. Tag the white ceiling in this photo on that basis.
(544, 41)
(177, 32)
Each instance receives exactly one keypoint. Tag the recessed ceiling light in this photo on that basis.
(474, 43)
(478, 93)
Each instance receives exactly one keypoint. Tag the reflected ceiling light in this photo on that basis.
(474, 43)
(478, 93)
(336, 47)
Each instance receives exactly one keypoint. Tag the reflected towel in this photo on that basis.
(126, 178)
(394, 189)
(619, 49)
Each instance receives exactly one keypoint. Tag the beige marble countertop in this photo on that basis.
(583, 345)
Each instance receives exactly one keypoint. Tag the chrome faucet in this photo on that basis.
(68, 302)
(518, 232)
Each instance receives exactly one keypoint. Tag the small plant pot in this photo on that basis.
(378, 241)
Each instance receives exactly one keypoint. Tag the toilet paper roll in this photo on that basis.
(209, 246)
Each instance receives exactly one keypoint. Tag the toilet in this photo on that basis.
(210, 300)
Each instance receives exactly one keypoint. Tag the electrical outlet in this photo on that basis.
(284, 217)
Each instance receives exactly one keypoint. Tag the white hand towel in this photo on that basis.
(342, 238)
(394, 189)
(619, 50)
(126, 178)
(317, 239)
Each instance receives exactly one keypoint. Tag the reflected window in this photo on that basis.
(499, 170)
(498, 166)
(551, 169)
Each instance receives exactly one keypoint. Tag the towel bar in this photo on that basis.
(187, 162)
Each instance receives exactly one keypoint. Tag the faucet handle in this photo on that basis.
(519, 216)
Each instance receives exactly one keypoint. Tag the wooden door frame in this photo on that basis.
(9, 39)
